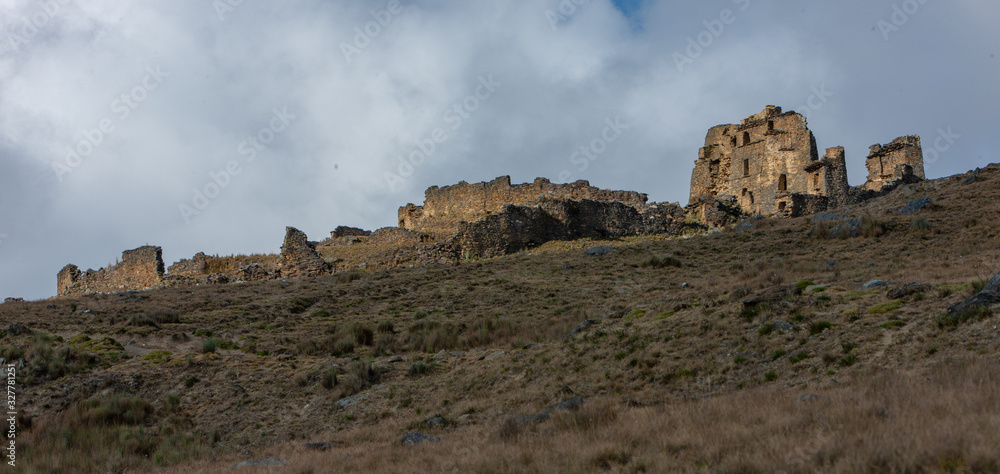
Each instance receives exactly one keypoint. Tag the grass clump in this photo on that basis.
(892, 324)
(883, 308)
(157, 357)
(819, 326)
(209, 345)
(661, 262)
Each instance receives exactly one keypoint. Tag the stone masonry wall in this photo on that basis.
(895, 161)
(139, 268)
(444, 207)
(769, 163)
(519, 227)
(299, 257)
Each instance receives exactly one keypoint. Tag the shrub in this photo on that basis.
(847, 360)
(819, 326)
(799, 357)
(770, 376)
(777, 354)
(209, 345)
(920, 223)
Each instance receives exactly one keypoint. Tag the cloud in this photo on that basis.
(412, 64)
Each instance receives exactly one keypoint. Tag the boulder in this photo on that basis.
(914, 206)
(909, 289)
(411, 439)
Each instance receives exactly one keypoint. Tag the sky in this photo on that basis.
(210, 125)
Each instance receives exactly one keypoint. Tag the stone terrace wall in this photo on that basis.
(139, 268)
(444, 207)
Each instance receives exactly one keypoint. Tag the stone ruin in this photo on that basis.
(769, 164)
(139, 268)
(445, 207)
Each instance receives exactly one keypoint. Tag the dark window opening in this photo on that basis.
(782, 183)
(770, 125)
(734, 140)
(746, 167)
(746, 138)
(781, 206)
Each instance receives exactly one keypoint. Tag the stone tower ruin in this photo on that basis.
(769, 164)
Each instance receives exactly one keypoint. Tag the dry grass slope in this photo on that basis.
(676, 374)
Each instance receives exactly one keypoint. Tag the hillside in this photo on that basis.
(675, 368)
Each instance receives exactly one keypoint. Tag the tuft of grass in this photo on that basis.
(209, 345)
(778, 354)
(870, 227)
(658, 262)
(804, 284)
(892, 324)
(883, 308)
(157, 357)
(819, 326)
(770, 376)
(799, 357)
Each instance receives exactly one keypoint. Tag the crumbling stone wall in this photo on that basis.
(299, 257)
(518, 227)
(139, 268)
(194, 266)
(770, 163)
(345, 231)
(898, 160)
(445, 207)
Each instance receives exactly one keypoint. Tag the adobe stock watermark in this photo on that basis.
(819, 97)
(900, 16)
(220, 180)
(363, 36)
(563, 12)
(121, 107)
(945, 139)
(706, 38)
(586, 154)
(454, 117)
(29, 27)
(225, 7)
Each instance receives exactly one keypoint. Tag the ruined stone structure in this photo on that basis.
(518, 227)
(770, 164)
(194, 266)
(899, 160)
(445, 207)
(139, 268)
(299, 257)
